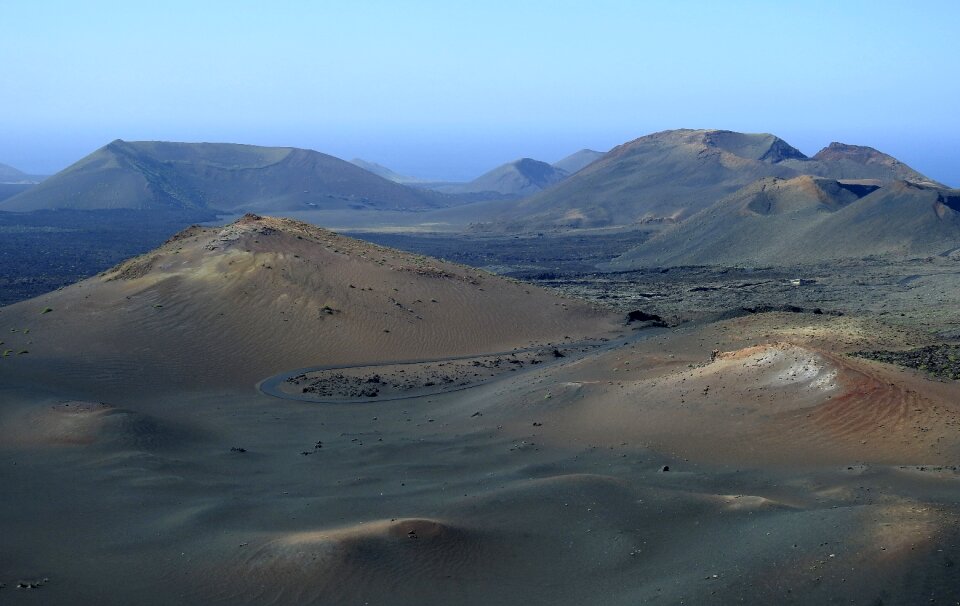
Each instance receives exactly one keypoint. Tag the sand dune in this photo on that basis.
(78, 423)
(383, 560)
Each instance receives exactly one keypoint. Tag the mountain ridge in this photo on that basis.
(228, 177)
(671, 175)
(387, 173)
(10, 175)
(809, 220)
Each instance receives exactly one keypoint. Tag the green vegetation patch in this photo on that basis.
(942, 361)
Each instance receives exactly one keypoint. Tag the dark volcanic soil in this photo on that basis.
(918, 293)
(394, 381)
(942, 361)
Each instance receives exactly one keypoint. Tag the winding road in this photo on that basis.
(271, 386)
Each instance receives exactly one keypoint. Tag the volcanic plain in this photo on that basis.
(438, 434)
(702, 368)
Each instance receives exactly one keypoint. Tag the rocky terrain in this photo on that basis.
(941, 360)
(408, 380)
(915, 292)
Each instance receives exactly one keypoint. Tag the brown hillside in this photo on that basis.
(216, 306)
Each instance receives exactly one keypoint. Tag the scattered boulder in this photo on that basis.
(642, 316)
(646, 318)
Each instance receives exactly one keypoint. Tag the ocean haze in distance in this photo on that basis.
(446, 92)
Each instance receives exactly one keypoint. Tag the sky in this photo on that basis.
(447, 90)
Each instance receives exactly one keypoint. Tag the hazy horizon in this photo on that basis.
(447, 93)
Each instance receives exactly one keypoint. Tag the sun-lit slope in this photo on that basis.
(777, 390)
(153, 175)
(808, 219)
(234, 305)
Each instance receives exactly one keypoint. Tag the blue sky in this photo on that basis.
(449, 89)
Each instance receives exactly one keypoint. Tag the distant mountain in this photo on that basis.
(842, 161)
(11, 175)
(578, 161)
(808, 219)
(216, 176)
(671, 175)
(383, 171)
(665, 175)
(521, 177)
(516, 179)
